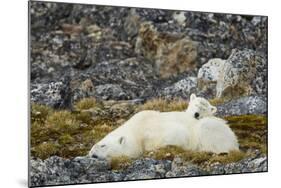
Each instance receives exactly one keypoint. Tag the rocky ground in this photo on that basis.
(125, 58)
(56, 170)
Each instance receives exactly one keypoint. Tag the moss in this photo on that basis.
(86, 104)
(232, 156)
(200, 158)
(170, 152)
(217, 101)
(66, 139)
(163, 105)
(44, 150)
(83, 117)
(122, 162)
(251, 131)
(39, 112)
(62, 121)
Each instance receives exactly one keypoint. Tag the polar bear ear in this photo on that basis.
(192, 97)
(121, 140)
(213, 109)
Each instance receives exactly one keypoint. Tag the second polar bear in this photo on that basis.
(193, 129)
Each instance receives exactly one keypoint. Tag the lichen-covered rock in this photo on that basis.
(243, 73)
(244, 105)
(56, 170)
(237, 73)
(128, 79)
(54, 94)
(252, 164)
(208, 75)
(179, 169)
(172, 53)
(182, 88)
(147, 169)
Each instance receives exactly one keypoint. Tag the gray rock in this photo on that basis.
(110, 91)
(237, 73)
(251, 164)
(243, 73)
(54, 94)
(181, 169)
(244, 105)
(208, 75)
(147, 169)
(56, 170)
(182, 88)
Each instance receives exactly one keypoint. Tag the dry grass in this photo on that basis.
(122, 162)
(86, 104)
(200, 158)
(163, 105)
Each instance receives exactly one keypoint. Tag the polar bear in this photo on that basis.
(193, 129)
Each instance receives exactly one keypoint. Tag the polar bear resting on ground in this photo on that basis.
(194, 129)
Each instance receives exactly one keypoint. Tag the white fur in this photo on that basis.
(215, 136)
(149, 130)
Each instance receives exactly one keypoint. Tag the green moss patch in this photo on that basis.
(200, 158)
(118, 163)
(251, 131)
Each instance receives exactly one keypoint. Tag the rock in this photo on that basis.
(179, 17)
(181, 169)
(243, 73)
(208, 76)
(251, 164)
(237, 73)
(183, 88)
(110, 91)
(172, 53)
(128, 79)
(54, 94)
(146, 169)
(56, 170)
(244, 105)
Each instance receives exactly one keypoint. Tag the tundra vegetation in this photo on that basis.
(72, 133)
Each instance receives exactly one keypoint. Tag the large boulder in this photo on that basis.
(243, 73)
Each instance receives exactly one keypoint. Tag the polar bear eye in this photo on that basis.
(196, 115)
(102, 146)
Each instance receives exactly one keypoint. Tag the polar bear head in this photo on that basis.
(114, 145)
(200, 107)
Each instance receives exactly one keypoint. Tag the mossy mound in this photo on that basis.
(200, 158)
(251, 131)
